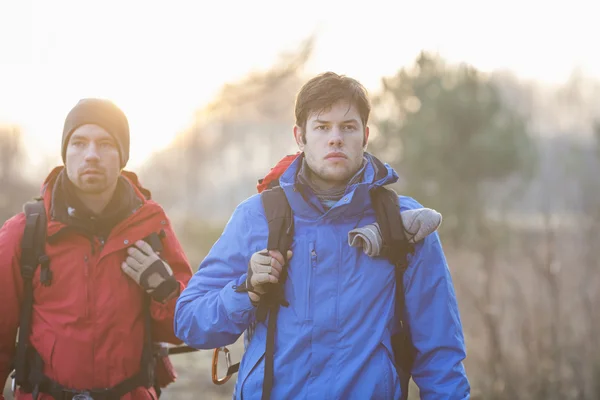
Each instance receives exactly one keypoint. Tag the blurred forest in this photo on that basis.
(512, 165)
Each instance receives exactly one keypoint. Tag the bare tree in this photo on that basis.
(14, 189)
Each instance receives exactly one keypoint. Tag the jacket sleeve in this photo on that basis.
(163, 314)
(435, 325)
(210, 313)
(11, 293)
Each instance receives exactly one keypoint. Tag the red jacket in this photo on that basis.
(88, 325)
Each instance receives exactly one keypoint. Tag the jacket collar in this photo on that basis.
(355, 200)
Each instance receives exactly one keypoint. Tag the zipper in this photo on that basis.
(313, 265)
(86, 272)
(99, 243)
(102, 241)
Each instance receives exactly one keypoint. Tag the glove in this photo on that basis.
(264, 267)
(418, 223)
(154, 275)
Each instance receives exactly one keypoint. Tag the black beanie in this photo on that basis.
(102, 113)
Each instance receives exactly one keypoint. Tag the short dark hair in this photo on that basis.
(324, 90)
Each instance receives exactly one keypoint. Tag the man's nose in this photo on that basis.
(91, 152)
(336, 138)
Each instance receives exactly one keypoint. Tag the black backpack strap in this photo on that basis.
(280, 220)
(396, 248)
(281, 234)
(387, 211)
(146, 375)
(32, 255)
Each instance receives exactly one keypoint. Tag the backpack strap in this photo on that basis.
(396, 248)
(32, 255)
(280, 220)
(34, 242)
(281, 234)
(387, 211)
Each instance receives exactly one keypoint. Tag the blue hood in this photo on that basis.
(355, 200)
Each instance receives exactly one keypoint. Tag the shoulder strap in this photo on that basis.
(281, 233)
(396, 248)
(280, 220)
(34, 238)
(32, 255)
(387, 211)
(147, 374)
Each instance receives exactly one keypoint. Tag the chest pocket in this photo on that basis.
(298, 283)
(64, 282)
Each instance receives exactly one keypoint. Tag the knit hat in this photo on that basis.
(103, 113)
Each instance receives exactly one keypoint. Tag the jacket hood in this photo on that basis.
(356, 197)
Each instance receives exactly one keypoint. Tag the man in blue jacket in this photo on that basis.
(333, 340)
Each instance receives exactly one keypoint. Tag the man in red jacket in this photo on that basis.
(103, 284)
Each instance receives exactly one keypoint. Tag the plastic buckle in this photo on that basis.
(27, 271)
(83, 396)
(160, 349)
(44, 259)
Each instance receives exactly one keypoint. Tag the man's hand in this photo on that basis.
(265, 267)
(146, 268)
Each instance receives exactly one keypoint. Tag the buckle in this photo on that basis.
(82, 396)
(44, 259)
(160, 349)
(27, 271)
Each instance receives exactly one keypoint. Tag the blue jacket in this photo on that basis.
(333, 341)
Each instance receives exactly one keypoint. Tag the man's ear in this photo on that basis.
(366, 139)
(299, 137)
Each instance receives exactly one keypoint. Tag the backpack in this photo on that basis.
(156, 369)
(281, 231)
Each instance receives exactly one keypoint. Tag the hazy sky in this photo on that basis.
(160, 61)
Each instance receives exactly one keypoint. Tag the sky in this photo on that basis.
(160, 61)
